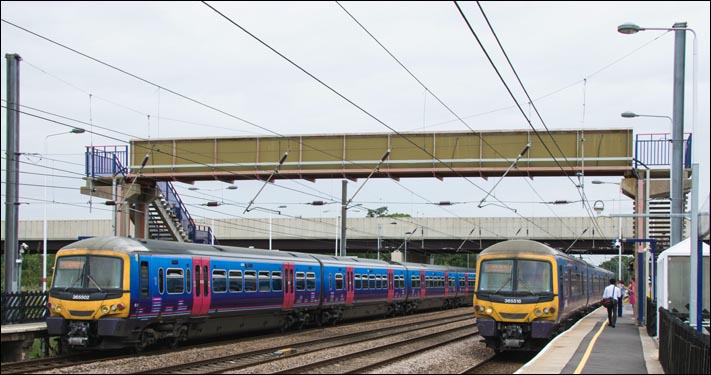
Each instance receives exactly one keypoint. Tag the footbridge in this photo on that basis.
(137, 179)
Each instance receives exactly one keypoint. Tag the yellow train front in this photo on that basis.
(526, 292)
(89, 296)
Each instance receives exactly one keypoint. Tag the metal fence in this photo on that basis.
(682, 350)
(24, 307)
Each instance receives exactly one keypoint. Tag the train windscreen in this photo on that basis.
(515, 275)
(88, 272)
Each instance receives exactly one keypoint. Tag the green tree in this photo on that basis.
(611, 265)
(383, 212)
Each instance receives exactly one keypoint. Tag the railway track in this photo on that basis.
(381, 355)
(501, 363)
(44, 364)
(243, 360)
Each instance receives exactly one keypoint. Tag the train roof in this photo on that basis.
(529, 247)
(133, 245)
(516, 246)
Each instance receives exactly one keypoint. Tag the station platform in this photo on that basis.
(16, 338)
(592, 347)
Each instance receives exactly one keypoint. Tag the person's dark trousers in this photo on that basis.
(619, 306)
(612, 313)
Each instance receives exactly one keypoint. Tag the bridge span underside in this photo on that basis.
(353, 156)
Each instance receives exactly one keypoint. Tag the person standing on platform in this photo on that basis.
(633, 293)
(611, 292)
(620, 285)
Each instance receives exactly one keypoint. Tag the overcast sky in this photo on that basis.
(580, 71)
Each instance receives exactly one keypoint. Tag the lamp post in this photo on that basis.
(44, 222)
(619, 226)
(679, 29)
(379, 226)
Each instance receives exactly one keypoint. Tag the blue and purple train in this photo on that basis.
(527, 292)
(115, 292)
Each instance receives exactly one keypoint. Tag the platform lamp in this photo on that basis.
(44, 221)
(619, 225)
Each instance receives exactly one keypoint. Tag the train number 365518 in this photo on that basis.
(512, 300)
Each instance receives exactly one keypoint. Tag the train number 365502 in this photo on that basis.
(512, 300)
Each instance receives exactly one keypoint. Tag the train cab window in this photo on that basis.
(219, 281)
(356, 279)
(276, 281)
(175, 280)
(310, 281)
(250, 281)
(143, 279)
(339, 281)
(188, 281)
(160, 281)
(235, 281)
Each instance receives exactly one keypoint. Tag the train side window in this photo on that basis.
(310, 281)
(188, 281)
(264, 281)
(250, 281)
(160, 281)
(339, 281)
(378, 282)
(197, 281)
(235, 281)
(356, 278)
(415, 281)
(300, 281)
(364, 278)
(371, 281)
(276, 281)
(175, 280)
(219, 281)
(144, 279)
(402, 281)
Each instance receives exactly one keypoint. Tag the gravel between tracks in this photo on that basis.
(449, 359)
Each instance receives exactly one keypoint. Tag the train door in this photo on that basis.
(350, 295)
(201, 287)
(423, 284)
(288, 286)
(391, 290)
(446, 284)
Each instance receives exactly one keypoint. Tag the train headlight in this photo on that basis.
(113, 308)
(104, 309)
(546, 310)
(538, 312)
(489, 310)
(58, 308)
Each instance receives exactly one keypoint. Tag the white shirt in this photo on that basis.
(611, 291)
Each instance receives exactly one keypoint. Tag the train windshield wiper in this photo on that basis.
(94, 281)
(529, 289)
(502, 287)
(73, 283)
